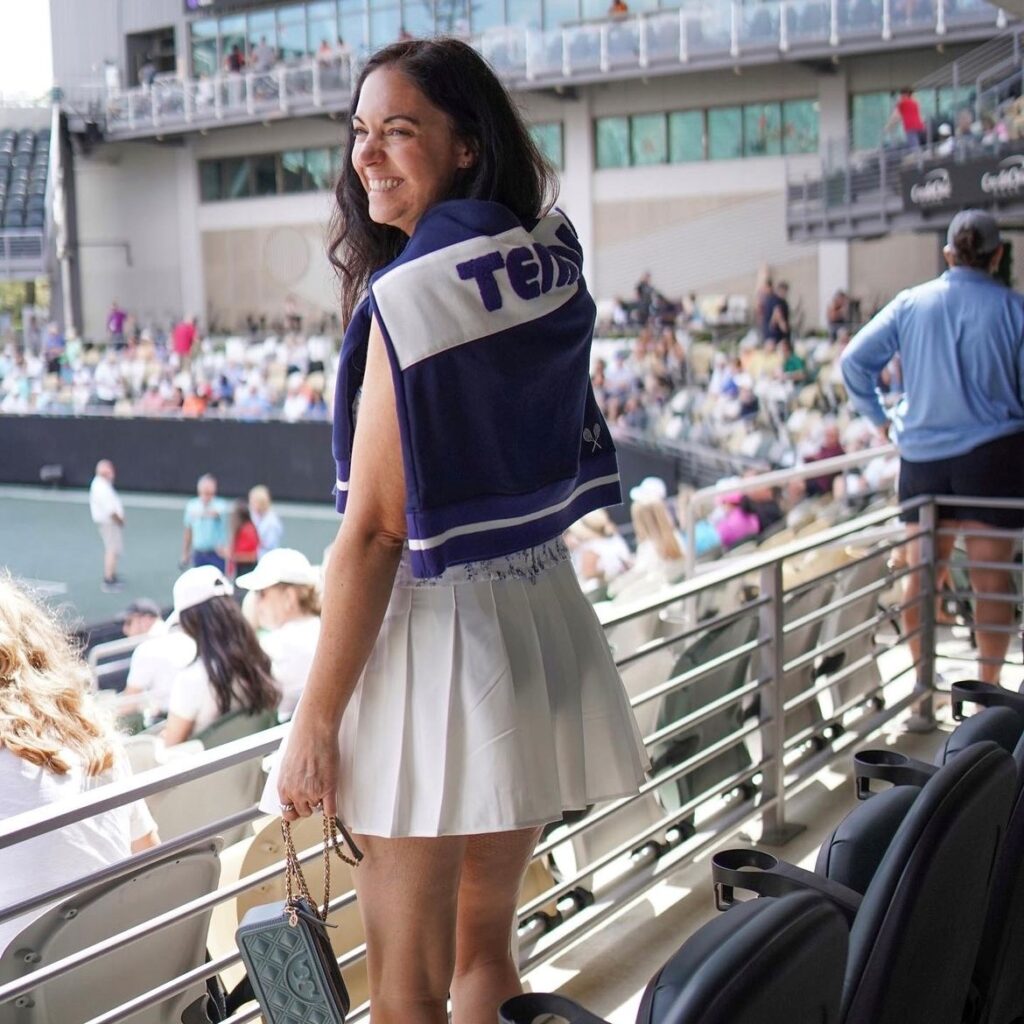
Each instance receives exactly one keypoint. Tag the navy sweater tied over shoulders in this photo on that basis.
(488, 325)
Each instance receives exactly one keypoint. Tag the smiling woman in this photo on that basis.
(462, 693)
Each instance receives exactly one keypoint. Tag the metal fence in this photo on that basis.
(711, 34)
(794, 656)
(22, 253)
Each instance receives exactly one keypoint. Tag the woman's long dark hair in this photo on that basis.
(508, 168)
(235, 662)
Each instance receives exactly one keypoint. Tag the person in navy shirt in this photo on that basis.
(462, 693)
(959, 426)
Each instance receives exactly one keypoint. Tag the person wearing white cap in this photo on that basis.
(959, 426)
(288, 607)
(230, 672)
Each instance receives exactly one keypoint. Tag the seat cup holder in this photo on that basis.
(887, 766)
(741, 869)
(986, 695)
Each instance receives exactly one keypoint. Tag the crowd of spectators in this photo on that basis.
(263, 374)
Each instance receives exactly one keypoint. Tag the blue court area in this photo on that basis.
(48, 539)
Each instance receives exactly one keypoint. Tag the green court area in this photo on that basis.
(48, 539)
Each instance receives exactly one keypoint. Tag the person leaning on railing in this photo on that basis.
(959, 426)
(54, 745)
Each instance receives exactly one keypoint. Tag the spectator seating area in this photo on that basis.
(24, 165)
(288, 376)
(866, 935)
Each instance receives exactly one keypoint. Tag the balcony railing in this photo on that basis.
(716, 35)
(797, 664)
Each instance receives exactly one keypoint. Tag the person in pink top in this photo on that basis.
(738, 522)
(908, 113)
(183, 337)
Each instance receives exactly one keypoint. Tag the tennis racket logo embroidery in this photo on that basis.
(591, 435)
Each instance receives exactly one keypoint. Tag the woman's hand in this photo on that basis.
(308, 773)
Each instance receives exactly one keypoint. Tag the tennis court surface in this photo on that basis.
(48, 540)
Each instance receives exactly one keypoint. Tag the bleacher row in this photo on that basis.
(914, 913)
(24, 165)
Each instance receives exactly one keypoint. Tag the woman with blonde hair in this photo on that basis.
(54, 745)
(659, 548)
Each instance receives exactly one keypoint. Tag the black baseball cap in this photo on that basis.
(984, 226)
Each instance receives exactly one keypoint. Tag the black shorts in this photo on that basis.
(992, 470)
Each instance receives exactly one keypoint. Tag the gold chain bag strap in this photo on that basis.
(284, 945)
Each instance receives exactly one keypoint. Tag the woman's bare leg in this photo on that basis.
(492, 876)
(408, 897)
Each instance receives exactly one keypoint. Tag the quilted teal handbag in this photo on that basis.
(285, 948)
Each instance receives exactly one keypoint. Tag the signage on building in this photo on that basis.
(953, 184)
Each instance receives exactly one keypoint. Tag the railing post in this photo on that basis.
(783, 27)
(924, 720)
(940, 17)
(566, 56)
(684, 53)
(282, 88)
(187, 100)
(317, 98)
(887, 20)
(641, 28)
(604, 46)
(776, 831)
(250, 94)
(218, 96)
(833, 30)
(131, 108)
(734, 29)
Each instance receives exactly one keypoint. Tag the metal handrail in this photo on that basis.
(663, 41)
(657, 845)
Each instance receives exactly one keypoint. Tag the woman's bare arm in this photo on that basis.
(360, 576)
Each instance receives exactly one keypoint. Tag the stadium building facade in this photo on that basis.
(206, 189)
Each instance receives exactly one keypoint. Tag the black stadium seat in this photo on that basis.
(997, 995)
(772, 961)
(931, 886)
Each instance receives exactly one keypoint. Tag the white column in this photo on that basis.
(577, 193)
(833, 273)
(190, 241)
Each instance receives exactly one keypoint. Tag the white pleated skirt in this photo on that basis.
(490, 702)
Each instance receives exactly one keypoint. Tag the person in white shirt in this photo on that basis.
(108, 514)
(164, 652)
(265, 518)
(288, 607)
(230, 672)
(54, 745)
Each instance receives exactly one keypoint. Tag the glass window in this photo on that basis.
(800, 126)
(209, 180)
(385, 26)
(291, 32)
(264, 174)
(452, 17)
(725, 133)
(337, 155)
(869, 113)
(612, 141)
(262, 26)
(418, 18)
(236, 177)
(549, 141)
(294, 177)
(762, 129)
(232, 34)
(491, 13)
(521, 13)
(686, 136)
(321, 25)
(353, 30)
(204, 47)
(319, 170)
(591, 10)
(949, 102)
(648, 139)
(559, 12)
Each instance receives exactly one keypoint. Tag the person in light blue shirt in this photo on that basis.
(206, 526)
(959, 425)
